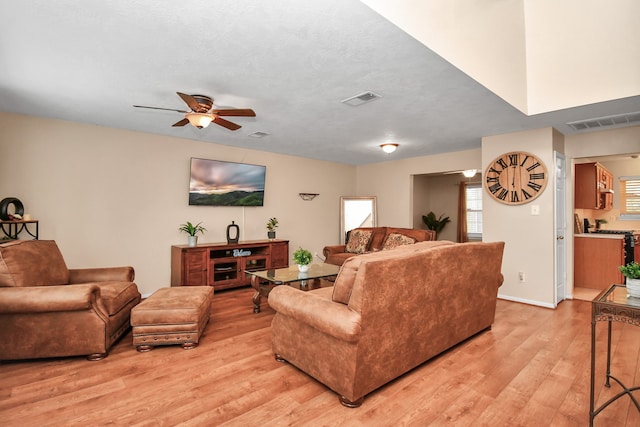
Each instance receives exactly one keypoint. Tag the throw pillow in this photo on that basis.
(358, 241)
(394, 240)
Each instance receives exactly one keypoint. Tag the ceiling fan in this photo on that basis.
(203, 112)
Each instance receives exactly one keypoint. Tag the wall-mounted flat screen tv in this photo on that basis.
(220, 183)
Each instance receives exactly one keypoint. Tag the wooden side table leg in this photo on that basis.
(255, 284)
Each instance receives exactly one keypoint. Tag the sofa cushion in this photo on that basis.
(32, 263)
(343, 285)
(358, 241)
(396, 239)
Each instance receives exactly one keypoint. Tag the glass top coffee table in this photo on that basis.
(265, 280)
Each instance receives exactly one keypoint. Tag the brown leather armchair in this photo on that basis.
(48, 310)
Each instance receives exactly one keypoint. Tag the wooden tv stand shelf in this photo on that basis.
(223, 265)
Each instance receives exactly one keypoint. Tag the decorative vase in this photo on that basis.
(192, 240)
(633, 287)
(303, 268)
(271, 234)
(233, 232)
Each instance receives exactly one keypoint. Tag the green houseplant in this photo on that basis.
(191, 231)
(433, 223)
(272, 224)
(632, 272)
(303, 258)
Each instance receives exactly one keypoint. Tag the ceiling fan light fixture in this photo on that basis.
(389, 148)
(199, 120)
(469, 173)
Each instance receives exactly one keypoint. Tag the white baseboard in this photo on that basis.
(526, 301)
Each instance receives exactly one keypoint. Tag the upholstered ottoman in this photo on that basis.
(171, 316)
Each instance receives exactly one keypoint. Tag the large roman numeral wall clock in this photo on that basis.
(515, 178)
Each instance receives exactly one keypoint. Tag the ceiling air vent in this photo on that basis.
(600, 122)
(258, 134)
(360, 99)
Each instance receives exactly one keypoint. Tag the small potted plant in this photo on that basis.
(632, 272)
(191, 231)
(272, 224)
(303, 258)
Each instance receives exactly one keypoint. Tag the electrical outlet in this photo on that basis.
(521, 276)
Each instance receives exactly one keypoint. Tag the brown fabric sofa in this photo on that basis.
(337, 254)
(387, 313)
(47, 310)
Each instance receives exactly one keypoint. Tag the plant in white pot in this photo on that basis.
(191, 231)
(272, 224)
(303, 258)
(632, 272)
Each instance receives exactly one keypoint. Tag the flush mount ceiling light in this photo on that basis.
(389, 148)
(469, 173)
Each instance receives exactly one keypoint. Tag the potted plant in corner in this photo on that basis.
(435, 224)
(191, 231)
(303, 258)
(272, 224)
(632, 272)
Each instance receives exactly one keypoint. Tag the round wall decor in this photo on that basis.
(515, 178)
(18, 208)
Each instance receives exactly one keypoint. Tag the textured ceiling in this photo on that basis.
(290, 61)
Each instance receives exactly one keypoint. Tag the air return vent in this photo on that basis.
(360, 99)
(600, 122)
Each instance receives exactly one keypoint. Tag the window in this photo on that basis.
(630, 197)
(474, 211)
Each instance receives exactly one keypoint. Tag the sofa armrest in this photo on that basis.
(43, 299)
(329, 317)
(88, 275)
(336, 249)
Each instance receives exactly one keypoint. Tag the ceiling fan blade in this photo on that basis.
(190, 101)
(246, 112)
(160, 108)
(226, 123)
(181, 123)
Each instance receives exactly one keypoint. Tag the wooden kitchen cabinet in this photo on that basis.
(223, 265)
(594, 187)
(596, 261)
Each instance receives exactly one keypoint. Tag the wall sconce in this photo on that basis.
(388, 148)
(469, 173)
(308, 196)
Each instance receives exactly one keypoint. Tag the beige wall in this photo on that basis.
(529, 239)
(392, 182)
(115, 197)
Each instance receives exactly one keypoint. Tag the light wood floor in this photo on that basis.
(531, 369)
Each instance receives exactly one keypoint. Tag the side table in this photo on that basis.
(612, 304)
(15, 227)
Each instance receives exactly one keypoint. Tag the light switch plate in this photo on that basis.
(535, 209)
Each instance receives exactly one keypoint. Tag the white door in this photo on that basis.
(560, 225)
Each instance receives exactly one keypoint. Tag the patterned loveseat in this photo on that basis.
(373, 239)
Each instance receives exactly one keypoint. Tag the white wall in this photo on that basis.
(114, 197)
(538, 55)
